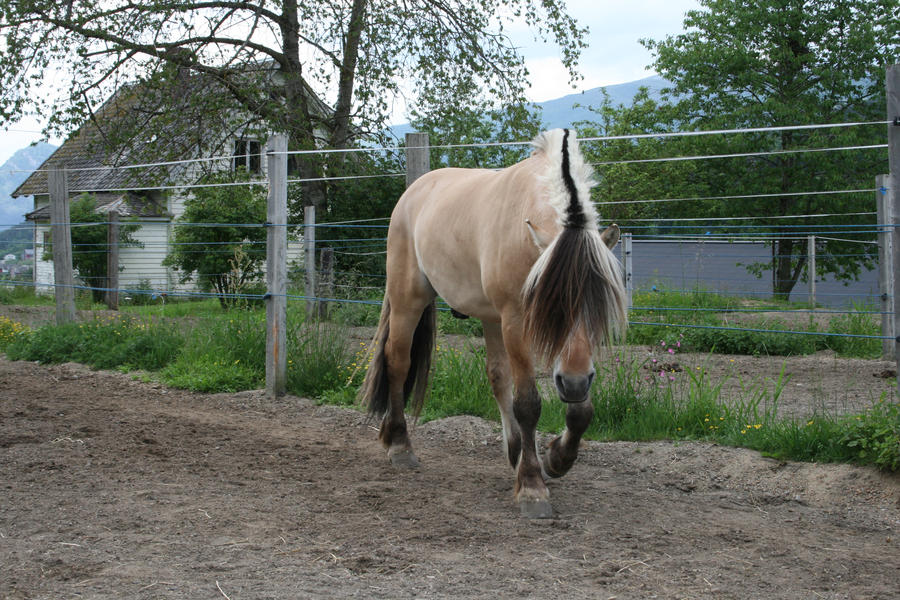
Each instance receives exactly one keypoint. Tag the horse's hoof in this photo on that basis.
(536, 509)
(551, 471)
(404, 459)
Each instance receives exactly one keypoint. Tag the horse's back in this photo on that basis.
(467, 227)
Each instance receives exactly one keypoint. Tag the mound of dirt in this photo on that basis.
(114, 488)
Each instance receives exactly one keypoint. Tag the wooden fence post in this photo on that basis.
(276, 268)
(309, 254)
(892, 83)
(628, 264)
(326, 286)
(811, 269)
(61, 232)
(884, 206)
(112, 261)
(418, 156)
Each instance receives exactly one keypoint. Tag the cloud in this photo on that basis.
(613, 54)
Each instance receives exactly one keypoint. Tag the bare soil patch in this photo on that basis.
(114, 488)
(820, 383)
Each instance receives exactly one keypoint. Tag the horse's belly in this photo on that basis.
(463, 295)
(459, 285)
(469, 304)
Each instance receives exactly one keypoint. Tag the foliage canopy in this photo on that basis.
(323, 71)
(90, 243)
(763, 64)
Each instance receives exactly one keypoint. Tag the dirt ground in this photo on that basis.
(115, 488)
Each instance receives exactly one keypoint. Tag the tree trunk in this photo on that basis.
(341, 134)
(781, 269)
(301, 122)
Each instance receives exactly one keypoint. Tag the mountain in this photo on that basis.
(15, 239)
(12, 173)
(568, 110)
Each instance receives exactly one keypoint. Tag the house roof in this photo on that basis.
(87, 157)
(117, 134)
(128, 206)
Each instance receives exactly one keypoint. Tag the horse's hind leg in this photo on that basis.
(564, 449)
(397, 353)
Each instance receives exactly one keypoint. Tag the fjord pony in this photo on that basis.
(519, 249)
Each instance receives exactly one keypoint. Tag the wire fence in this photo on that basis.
(712, 255)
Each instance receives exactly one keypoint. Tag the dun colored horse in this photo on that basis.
(519, 249)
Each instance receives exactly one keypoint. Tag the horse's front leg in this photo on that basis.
(500, 377)
(564, 449)
(531, 492)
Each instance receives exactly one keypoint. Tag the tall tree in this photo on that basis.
(782, 63)
(629, 178)
(274, 60)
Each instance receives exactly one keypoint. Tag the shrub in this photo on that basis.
(874, 437)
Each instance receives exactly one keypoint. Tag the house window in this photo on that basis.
(246, 156)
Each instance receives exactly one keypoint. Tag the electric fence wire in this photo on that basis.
(495, 144)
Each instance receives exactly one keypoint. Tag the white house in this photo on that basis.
(149, 196)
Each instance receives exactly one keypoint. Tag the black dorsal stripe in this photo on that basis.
(574, 214)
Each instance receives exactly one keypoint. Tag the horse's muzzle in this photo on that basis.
(573, 388)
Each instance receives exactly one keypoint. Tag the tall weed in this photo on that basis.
(222, 354)
(317, 356)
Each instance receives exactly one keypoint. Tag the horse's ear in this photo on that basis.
(610, 236)
(538, 236)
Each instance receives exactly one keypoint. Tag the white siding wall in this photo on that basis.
(144, 265)
(140, 264)
(43, 270)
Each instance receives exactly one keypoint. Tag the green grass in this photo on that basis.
(101, 343)
(450, 325)
(856, 323)
(706, 330)
(175, 308)
(356, 314)
(318, 356)
(459, 386)
(197, 346)
(221, 354)
(695, 298)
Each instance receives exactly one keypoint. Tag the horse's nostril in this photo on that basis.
(591, 378)
(560, 383)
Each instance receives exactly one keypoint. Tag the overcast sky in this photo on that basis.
(614, 54)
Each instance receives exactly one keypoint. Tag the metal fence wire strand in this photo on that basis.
(360, 246)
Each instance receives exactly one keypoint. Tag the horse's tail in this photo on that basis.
(374, 391)
(576, 280)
